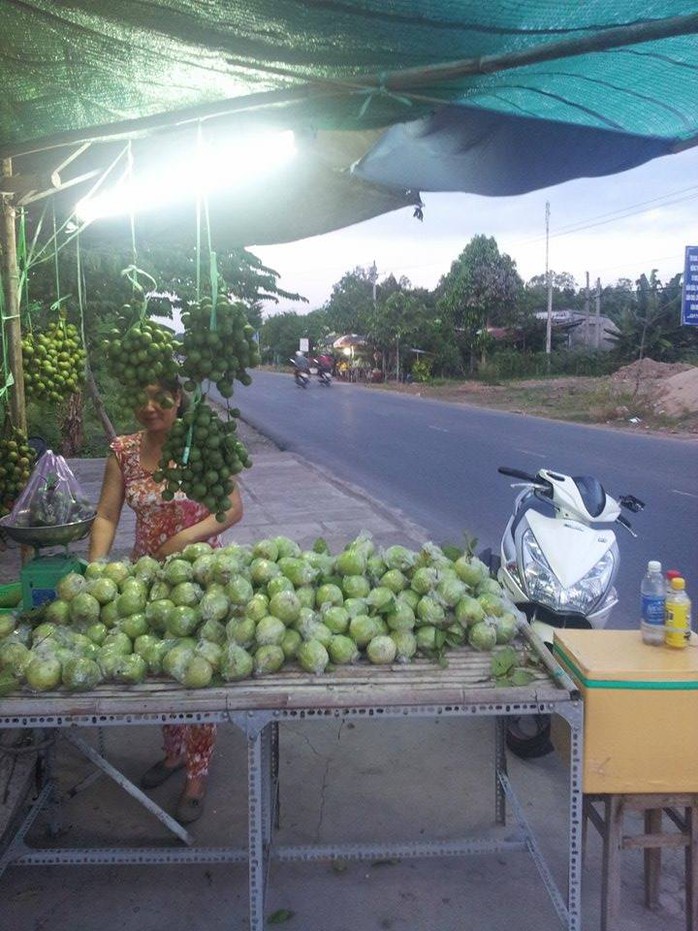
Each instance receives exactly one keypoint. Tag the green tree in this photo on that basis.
(394, 326)
(350, 304)
(651, 326)
(281, 334)
(482, 286)
(618, 298)
(565, 293)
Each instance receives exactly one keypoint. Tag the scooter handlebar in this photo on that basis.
(517, 473)
(626, 523)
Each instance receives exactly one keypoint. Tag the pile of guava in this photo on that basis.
(210, 616)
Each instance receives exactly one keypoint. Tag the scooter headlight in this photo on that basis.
(543, 586)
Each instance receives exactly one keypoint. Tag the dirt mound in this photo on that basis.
(678, 394)
(648, 368)
(671, 387)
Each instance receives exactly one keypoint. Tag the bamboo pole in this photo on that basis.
(407, 82)
(10, 279)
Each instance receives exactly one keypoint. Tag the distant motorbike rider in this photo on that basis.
(301, 362)
(301, 369)
(325, 363)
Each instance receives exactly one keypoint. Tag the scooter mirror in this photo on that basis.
(631, 503)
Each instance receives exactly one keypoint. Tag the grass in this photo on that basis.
(581, 399)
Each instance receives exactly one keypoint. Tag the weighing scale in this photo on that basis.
(40, 575)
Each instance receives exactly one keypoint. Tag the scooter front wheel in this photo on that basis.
(528, 736)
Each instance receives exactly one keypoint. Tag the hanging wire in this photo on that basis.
(199, 144)
(55, 253)
(213, 266)
(81, 300)
(30, 253)
(197, 395)
(23, 261)
(131, 210)
(9, 378)
(40, 256)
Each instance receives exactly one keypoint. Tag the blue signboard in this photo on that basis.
(689, 295)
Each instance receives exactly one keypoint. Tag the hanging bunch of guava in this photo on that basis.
(200, 457)
(218, 345)
(16, 461)
(139, 351)
(53, 361)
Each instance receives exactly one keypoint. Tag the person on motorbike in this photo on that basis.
(301, 368)
(301, 362)
(325, 363)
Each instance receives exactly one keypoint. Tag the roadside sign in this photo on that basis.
(304, 342)
(689, 293)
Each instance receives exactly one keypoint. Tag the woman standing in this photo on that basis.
(162, 528)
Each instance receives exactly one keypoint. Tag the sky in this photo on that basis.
(619, 226)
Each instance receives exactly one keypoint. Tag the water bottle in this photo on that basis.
(652, 601)
(678, 615)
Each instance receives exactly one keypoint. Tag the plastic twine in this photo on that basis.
(131, 273)
(9, 378)
(380, 91)
(196, 400)
(212, 267)
(81, 301)
(23, 259)
(131, 212)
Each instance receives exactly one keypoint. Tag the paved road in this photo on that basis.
(437, 462)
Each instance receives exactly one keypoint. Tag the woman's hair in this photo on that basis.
(173, 385)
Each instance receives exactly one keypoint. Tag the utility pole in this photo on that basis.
(374, 280)
(549, 283)
(587, 309)
(598, 313)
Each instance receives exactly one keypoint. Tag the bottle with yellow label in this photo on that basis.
(678, 615)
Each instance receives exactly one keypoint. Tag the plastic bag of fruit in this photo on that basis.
(52, 497)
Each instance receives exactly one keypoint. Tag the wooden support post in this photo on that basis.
(681, 809)
(10, 278)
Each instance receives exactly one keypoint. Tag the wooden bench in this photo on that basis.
(670, 821)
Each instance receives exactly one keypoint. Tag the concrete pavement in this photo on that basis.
(418, 778)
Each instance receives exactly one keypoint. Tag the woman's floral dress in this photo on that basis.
(156, 521)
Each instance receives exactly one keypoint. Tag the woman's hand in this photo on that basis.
(111, 501)
(204, 530)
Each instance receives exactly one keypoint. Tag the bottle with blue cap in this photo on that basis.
(652, 604)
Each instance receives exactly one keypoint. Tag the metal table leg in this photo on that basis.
(257, 852)
(129, 787)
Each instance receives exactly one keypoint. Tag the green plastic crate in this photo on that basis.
(40, 577)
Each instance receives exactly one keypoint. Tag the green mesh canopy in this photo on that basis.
(85, 66)
(388, 97)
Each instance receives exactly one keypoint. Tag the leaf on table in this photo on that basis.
(280, 916)
(521, 676)
(502, 682)
(503, 661)
(8, 683)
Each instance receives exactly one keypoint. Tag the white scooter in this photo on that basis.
(558, 563)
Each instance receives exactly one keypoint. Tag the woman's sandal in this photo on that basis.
(189, 809)
(159, 773)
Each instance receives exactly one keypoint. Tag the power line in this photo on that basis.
(621, 213)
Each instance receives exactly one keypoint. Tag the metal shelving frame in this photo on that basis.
(259, 707)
